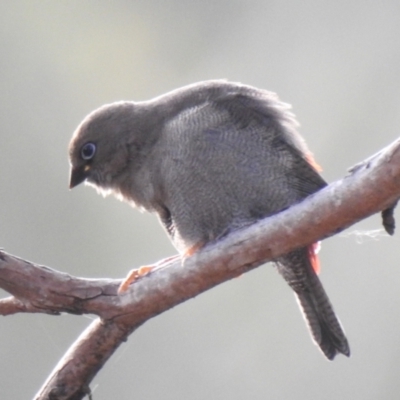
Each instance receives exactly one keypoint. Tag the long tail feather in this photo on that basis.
(325, 328)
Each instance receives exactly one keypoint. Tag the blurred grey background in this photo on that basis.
(338, 63)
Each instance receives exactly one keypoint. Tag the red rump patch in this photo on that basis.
(314, 248)
(313, 256)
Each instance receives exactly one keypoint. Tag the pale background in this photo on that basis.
(338, 63)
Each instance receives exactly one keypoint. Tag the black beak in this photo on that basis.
(78, 175)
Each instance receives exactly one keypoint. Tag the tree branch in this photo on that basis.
(371, 186)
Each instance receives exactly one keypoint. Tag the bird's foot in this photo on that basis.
(134, 275)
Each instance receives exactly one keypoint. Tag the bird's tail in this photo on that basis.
(325, 328)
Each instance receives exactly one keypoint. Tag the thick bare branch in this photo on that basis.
(372, 186)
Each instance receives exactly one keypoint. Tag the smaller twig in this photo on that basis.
(11, 305)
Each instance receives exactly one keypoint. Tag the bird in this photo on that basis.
(208, 159)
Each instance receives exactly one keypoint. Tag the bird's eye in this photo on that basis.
(88, 150)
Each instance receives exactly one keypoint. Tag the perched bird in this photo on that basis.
(210, 158)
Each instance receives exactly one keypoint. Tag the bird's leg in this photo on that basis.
(137, 273)
(191, 250)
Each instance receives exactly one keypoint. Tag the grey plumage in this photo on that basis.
(208, 159)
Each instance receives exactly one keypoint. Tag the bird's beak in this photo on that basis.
(78, 175)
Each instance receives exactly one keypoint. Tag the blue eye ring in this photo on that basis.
(88, 151)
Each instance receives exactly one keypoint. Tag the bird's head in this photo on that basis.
(99, 148)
